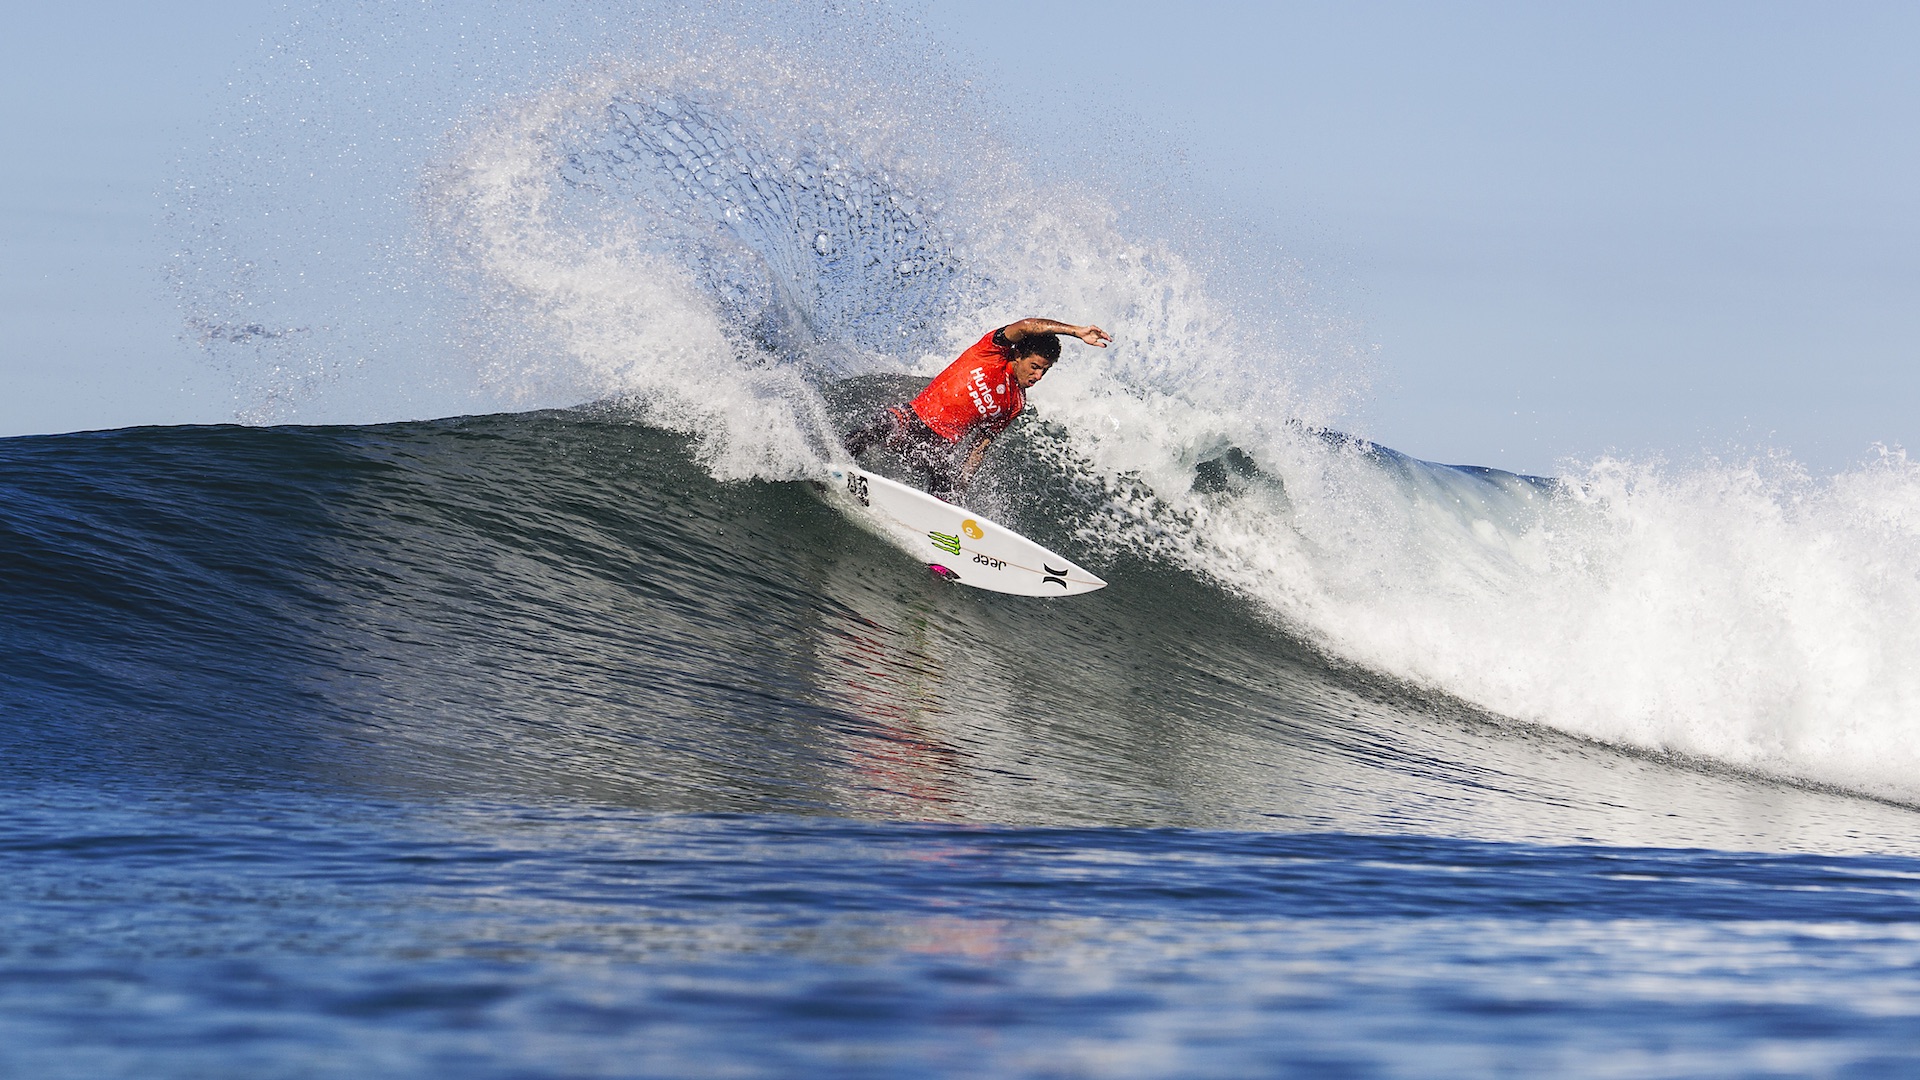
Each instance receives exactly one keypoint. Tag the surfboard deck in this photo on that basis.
(959, 544)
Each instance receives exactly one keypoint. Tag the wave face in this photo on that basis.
(740, 225)
(567, 605)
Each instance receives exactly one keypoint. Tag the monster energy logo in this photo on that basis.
(948, 544)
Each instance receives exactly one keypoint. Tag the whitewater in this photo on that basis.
(578, 736)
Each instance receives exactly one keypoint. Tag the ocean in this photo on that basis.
(591, 741)
(518, 746)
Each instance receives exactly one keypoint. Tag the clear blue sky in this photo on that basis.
(100, 100)
(1656, 228)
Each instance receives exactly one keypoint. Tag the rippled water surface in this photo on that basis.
(296, 935)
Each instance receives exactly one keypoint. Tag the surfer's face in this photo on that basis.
(1029, 369)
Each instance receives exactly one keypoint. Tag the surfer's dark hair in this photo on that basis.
(1045, 346)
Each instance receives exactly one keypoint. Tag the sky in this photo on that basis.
(102, 100)
(1560, 230)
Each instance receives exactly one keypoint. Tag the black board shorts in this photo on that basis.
(925, 451)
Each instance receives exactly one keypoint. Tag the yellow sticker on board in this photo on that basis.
(972, 529)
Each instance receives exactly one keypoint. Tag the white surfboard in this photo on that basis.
(962, 545)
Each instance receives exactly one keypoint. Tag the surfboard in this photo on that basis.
(957, 543)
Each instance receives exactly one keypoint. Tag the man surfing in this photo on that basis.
(969, 404)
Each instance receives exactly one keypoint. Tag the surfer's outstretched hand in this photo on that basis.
(1027, 328)
(1093, 335)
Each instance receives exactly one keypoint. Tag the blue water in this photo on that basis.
(495, 747)
(316, 935)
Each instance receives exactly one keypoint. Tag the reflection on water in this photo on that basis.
(901, 763)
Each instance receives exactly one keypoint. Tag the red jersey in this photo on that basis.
(976, 391)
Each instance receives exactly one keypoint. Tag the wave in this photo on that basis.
(566, 605)
(734, 231)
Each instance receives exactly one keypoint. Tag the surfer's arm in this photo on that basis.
(1026, 328)
(975, 455)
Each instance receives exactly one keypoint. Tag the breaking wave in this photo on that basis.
(735, 227)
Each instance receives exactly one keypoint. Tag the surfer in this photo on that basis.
(969, 404)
